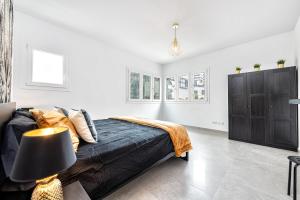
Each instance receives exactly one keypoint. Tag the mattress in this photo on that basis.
(123, 150)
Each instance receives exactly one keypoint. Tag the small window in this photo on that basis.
(47, 69)
(199, 87)
(183, 88)
(143, 87)
(170, 88)
(156, 88)
(146, 87)
(134, 86)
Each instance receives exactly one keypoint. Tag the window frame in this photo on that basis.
(40, 85)
(206, 81)
(165, 90)
(188, 88)
(191, 100)
(160, 88)
(151, 92)
(141, 74)
(128, 86)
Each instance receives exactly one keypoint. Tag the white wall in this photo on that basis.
(297, 39)
(97, 71)
(221, 63)
(297, 36)
(93, 64)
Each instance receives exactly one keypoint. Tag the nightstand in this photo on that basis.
(75, 191)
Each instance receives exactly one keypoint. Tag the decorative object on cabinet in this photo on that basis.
(238, 70)
(280, 63)
(257, 67)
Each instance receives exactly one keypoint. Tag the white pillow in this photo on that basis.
(81, 126)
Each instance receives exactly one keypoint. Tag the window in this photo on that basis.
(143, 87)
(170, 88)
(156, 88)
(46, 70)
(199, 87)
(188, 87)
(146, 87)
(134, 85)
(183, 88)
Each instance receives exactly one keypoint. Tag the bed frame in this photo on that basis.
(167, 157)
(6, 112)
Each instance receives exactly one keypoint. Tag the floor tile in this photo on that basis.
(219, 169)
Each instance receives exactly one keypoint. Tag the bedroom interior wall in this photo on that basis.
(97, 71)
(214, 115)
(297, 38)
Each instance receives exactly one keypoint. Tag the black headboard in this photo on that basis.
(6, 111)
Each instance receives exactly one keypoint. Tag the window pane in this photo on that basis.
(146, 87)
(47, 68)
(134, 85)
(156, 95)
(170, 88)
(183, 87)
(199, 92)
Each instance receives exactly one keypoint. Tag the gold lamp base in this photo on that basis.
(48, 189)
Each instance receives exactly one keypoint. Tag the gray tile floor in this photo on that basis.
(219, 169)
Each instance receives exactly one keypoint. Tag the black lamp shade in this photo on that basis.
(43, 153)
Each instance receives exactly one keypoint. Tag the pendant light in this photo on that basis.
(175, 47)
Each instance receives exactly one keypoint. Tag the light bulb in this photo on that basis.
(175, 49)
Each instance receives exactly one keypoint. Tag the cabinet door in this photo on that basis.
(257, 106)
(238, 107)
(282, 86)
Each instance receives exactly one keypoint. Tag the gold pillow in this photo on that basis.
(53, 118)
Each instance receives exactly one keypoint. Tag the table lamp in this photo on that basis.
(43, 153)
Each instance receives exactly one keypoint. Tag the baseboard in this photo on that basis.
(209, 129)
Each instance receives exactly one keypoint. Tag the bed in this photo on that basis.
(124, 151)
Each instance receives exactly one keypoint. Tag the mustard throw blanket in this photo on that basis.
(178, 133)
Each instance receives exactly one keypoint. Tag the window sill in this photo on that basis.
(185, 102)
(46, 87)
(144, 101)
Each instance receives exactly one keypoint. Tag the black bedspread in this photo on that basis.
(118, 138)
(123, 150)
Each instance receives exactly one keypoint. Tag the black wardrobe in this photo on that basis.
(259, 109)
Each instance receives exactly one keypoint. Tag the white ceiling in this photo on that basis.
(144, 26)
